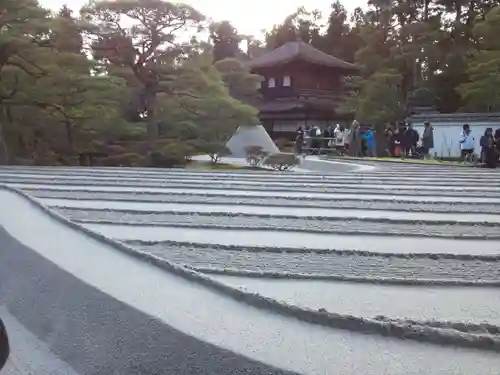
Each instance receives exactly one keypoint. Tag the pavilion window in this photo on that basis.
(287, 81)
(271, 82)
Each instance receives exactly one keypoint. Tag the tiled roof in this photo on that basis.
(299, 51)
(317, 104)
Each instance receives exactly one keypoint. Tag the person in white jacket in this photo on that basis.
(467, 143)
(338, 135)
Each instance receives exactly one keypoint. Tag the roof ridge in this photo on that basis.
(299, 50)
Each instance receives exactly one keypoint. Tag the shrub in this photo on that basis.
(215, 150)
(114, 150)
(168, 157)
(282, 161)
(172, 154)
(255, 155)
(46, 159)
(122, 160)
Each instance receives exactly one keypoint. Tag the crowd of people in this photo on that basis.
(490, 148)
(355, 141)
(405, 141)
(359, 140)
(401, 140)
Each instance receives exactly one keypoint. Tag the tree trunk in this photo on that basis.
(471, 15)
(152, 131)
(69, 133)
(458, 14)
(426, 10)
(4, 152)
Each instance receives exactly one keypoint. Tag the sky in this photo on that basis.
(249, 17)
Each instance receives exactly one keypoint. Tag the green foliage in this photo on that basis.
(447, 47)
(143, 82)
(225, 40)
(241, 83)
(378, 99)
(153, 88)
(171, 156)
(282, 161)
(148, 48)
(481, 92)
(123, 160)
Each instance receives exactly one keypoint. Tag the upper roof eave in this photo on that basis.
(298, 50)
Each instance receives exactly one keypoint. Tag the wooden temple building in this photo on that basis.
(301, 86)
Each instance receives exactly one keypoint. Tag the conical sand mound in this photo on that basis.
(246, 136)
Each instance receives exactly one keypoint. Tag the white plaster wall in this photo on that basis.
(446, 135)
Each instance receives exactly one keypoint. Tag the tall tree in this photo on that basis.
(144, 36)
(66, 35)
(340, 40)
(481, 92)
(225, 40)
(23, 31)
(242, 85)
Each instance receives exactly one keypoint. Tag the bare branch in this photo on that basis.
(24, 65)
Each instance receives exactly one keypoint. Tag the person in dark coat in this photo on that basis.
(496, 140)
(4, 345)
(484, 142)
(299, 140)
(488, 149)
(391, 139)
(401, 140)
(427, 139)
(316, 135)
(411, 138)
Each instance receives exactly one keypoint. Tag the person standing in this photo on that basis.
(467, 144)
(427, 139)
(410, 140)
(392, 142)
(371, 144)
(337, 135)
(347, 139)
(488, 151)
(354, 140)
(401, 139)
(316, 138)
(327, 135)
(496, 140)
(484, 143)
(299, 140)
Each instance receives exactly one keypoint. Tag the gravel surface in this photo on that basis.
(29, 355)
(491, 192)
(369, 182)
(374, 227)
(269, 238)
(462, 179)
(420, 303)
(359, 203)
(289, 194)
(283, 211)
(297, 224)
(95, 333)
(317, 263)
